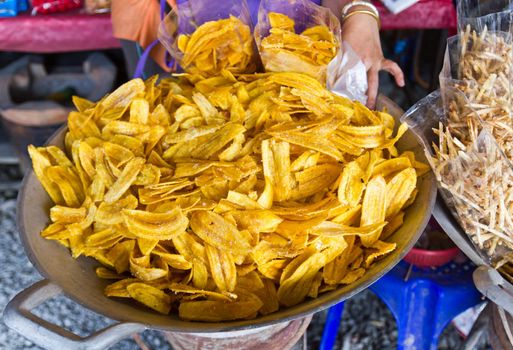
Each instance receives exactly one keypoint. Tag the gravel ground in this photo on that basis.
(366, 324)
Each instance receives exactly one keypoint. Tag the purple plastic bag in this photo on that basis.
(194, 13)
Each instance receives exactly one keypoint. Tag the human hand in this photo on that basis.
(362, 33)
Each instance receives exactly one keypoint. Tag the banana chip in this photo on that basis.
(379, 249)
(219, 232)
(150, 296)
(67, 215)
(351, 185)
(308, 52)
(228, 196)
(374, 208)
(159, 226)
(399, 190)
(297, 278)
(217, 45)
(222, 268)
(245, 307)
(125, 180)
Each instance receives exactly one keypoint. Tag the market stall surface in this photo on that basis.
(367, 323)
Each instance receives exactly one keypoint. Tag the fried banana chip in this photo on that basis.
(399, 190)
(279, 20)
(246, 306)
(298, 277)
(276, 163)
(257, 220)
(391, 166)
(150, 296)
(218, 232)
(352, 276)
(336, 269)
(66, 215)
(111, 213)
(225, 44)
(108, 274)
(186, 289)
(222, 267)
(160, 226)
(374, 208)
(146, 245)
(351, 185)
(125, 180)
(141, 268)
(124, 94)
(264, 289)
(314, 180)
(104, 239)
(119, 255)
(394, 223)
(378, 250)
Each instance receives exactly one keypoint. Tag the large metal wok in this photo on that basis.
(77, 279)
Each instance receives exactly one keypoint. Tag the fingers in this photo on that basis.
(394, 69)
(373, 79)
(372, 90)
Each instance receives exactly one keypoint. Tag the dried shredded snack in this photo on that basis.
(307, 52)
(227, 197)
(472, 158)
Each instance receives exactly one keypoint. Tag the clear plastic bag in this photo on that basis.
(51, 6)
(305, 15)
(495, 15)
(468, 128)
(207, 36)
(480, 57)
(347, 75)
(473, 180)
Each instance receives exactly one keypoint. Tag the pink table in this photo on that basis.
(80, 32)
(56, 33)
(426, 14)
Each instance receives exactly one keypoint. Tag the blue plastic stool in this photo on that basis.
(422, 303)
(330, 331)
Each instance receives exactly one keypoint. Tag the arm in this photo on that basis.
(362, 33)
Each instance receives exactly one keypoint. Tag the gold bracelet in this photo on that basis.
(365, 12)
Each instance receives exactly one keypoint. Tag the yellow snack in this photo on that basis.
(150, 296)
(308, 52)
(218, 45)
(229, 196)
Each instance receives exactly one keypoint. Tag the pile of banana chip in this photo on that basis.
(227, 197)
(308, 52)
(217, 45)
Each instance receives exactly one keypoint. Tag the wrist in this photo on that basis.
(352, 5)
(358, 8)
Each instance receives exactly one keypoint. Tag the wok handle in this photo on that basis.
(19, 317)
(493, 286)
